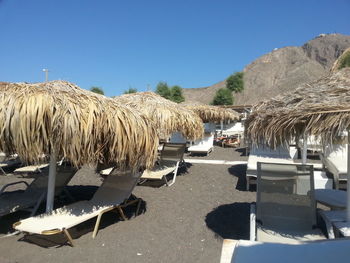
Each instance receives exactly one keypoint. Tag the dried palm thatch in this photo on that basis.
(168, 116)
(321, 108)
(210, 113)
(342, 61)
(74, 123)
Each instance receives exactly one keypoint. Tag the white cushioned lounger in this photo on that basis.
(243, 251)
(335, 160)
(265, 155)
(111, 194)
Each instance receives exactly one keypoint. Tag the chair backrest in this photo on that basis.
(280, 205)
(116, 188)
(65, 173)
(173, 152)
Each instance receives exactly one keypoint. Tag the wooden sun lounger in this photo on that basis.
(170, 159)
(114, 193)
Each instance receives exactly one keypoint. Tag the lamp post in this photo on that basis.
(46, 74)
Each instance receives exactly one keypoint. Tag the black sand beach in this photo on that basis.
(182, 223)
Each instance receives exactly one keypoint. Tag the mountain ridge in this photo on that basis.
(280, 70)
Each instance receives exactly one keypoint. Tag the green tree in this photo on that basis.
(97, 90)
(223, 97)
(130, 90)
(345, 61)
(176, 94)
(163, 90)
(235, 82)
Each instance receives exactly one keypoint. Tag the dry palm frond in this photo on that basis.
(168, 116)
(320, 108)
(210, 113)
(82, 126)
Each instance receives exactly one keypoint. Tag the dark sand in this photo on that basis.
(182, 223)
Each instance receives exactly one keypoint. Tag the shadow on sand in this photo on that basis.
(230, 221)
(239, 171)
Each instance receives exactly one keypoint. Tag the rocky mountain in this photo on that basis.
(281, 70)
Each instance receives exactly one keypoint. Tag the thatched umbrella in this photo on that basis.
(60, 119)
(168, 116)
(210, 113)
(321, 108)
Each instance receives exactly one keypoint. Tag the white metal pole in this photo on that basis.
(51, 183)
(348, 181)
(222, 126)
(304, 152)
(46, 74)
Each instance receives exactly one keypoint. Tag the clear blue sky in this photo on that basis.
(119, 44)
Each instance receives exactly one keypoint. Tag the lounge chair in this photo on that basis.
(31, 169)
(283, 213)
(171, 158)
(267, 155)
(34, 193)
(203, 146)
(335, 160)
(112, 194)
(244, 251)
(8, 161)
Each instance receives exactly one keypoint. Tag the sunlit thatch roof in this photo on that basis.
(168, 116)
(210, 113)
(321, 108)
(74, 123)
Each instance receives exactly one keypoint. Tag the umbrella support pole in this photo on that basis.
(304, 152)
(348, 181)
(51, 183)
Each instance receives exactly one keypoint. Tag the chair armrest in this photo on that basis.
(7, 185)
(252, 235)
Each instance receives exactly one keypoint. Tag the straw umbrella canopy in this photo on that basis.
(167, 116)
(321, 108)
(210, 113)
(59, 117)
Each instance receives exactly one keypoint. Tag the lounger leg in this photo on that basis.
(2, 170)
(97, 224)
(174, 176)
(70, 239)
(120, 210)
(329, 226)
(252, 234)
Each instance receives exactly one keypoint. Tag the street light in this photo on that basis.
(46, 74)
